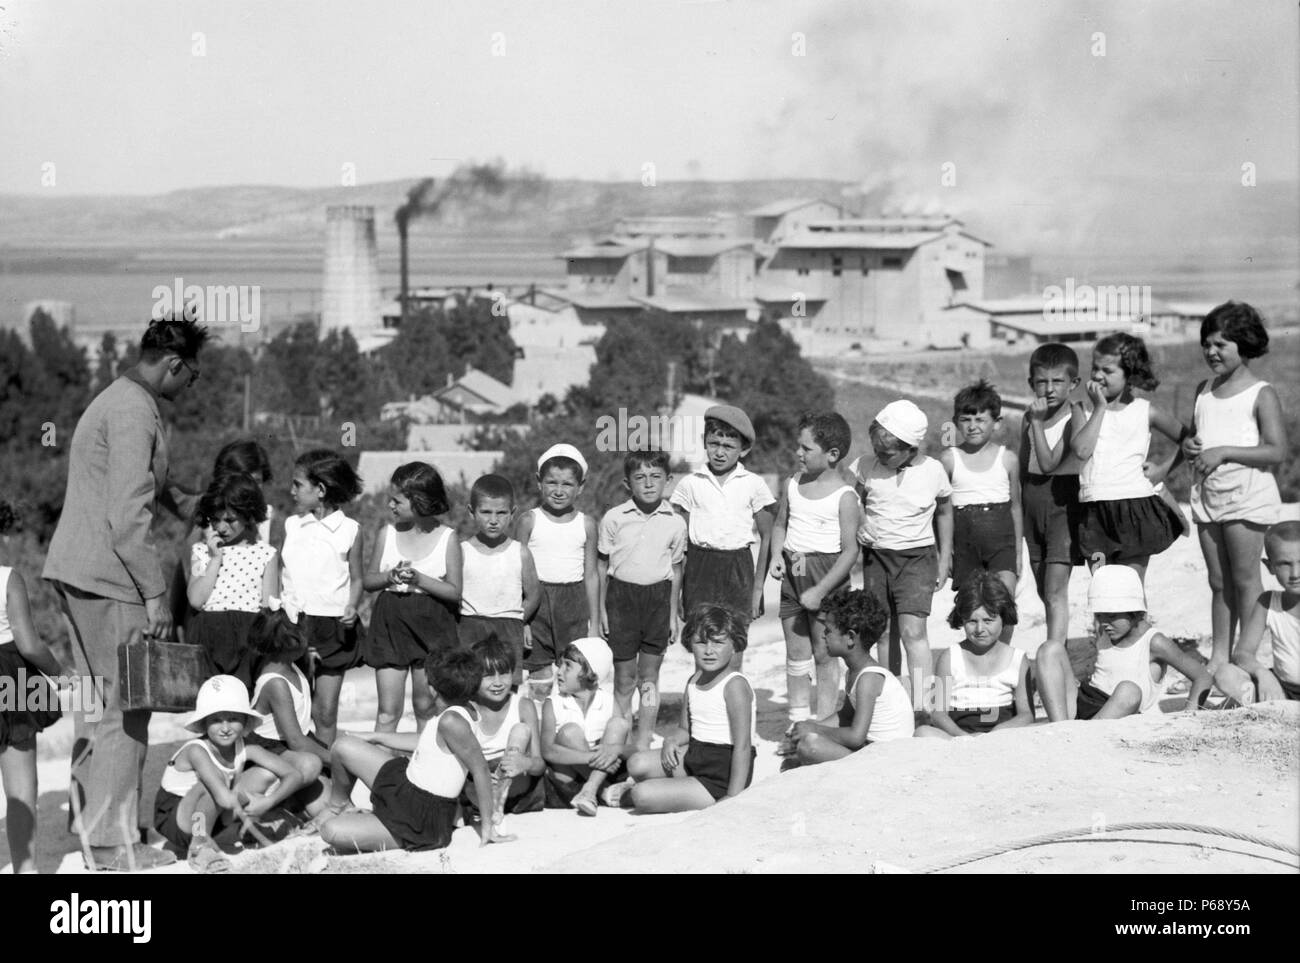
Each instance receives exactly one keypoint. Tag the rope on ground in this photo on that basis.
(1072, 834)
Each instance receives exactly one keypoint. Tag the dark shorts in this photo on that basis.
(1052, 514)
(1291, 689)
(983, 539)
(803, 570)
(561, 617)
(334, 642)
(710, 764)
(1127, 529)
(223, 637)
(904, 578)
(476, 628)
(527, 794)
(417, 819)
(981, 720)
(639, 618)
(1089, 701)
(405, 628)
(719, 577)
(166, 805)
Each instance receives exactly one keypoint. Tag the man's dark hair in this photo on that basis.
(174, 334)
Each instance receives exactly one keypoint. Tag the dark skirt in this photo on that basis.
(527, 794)
(335, 643)
(415, 818)
(224, 639)
(1126, 529)
(405, 627)
(28, 702)
(981, 720)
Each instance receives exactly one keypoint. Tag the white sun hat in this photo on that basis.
(1116, 588)
(222, 693)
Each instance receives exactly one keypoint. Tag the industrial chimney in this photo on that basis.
(351, 296)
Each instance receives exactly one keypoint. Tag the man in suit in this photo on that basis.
(105, 567)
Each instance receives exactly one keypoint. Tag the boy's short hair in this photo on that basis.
(1134, 359)
(1054, 355)
(1239, 323)
(715, 426)
(455, 674)
(646, 459)
(491, 486)
(422, 485)
(177, 333)
(495, 657)
(588, 679)
(237, 493)
(707, 621)
(857, 611)
(829, 430)
(1283, 533)
(983, 590)
(329, 470)
(560, 463)
(246, 456)
(976, 399)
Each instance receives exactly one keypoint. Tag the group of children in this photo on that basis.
(534, 646)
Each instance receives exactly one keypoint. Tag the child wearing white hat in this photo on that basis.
(215, 780)
(1122, 681)
(906, 532)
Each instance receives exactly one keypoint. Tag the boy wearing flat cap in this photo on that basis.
(727, 509)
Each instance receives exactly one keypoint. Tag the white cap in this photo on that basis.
(905, 421)
(1116, 588)
(599, 657)
(221, 693)
(563, 451)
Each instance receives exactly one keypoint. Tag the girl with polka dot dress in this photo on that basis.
(232, 574)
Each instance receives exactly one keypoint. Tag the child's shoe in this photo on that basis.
(612, 795)
(585, 803)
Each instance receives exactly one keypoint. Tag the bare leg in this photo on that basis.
(1236, 683)
(813, 749)
(1055, 593)
(930, 732)
(358, 832)
(798, 648)
(616, 732)
(325, 707)
(624, 685)
(919, 664)
(1244, 546)
(1009, 580)
(18, 772)
(352, 759)
(422, 702)
(827, 669)
(1124, 701)
(391, 684)
(670, 795)
(1055, 680)
(647, 680)
(516, 745)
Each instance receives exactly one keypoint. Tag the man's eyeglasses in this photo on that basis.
(194, 371)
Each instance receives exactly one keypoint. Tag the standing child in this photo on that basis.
(642, 547)
(414, 801)
(232, 574)
(1248, 679)
(23, 657)
(562, 541)
(984, 680)
(499, 589)
(1125, 521)
(215, 781)
(876, 707)
(814, 546)
(1050, 481)
(583, 733)
(987, 525)
(712, 756)
(1127, 650)
(1237, 436)
(415, 568)
(321, 571)
(508, 733)
(724, 503)
(906, 530)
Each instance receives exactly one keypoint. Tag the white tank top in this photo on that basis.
(492, 583)
(1285, 630)
(892, 718)
(301, 703)
(434, 564)
(1232, 491)
(708, 709)
(1114, 472)
(813, 524)
(988, 487)
(6, 630)
(494, 745)
(179, 783)
(971, 691)
(436, 769)
(1053, 433)
(1129, 664)
(568, 710)
(559, 548)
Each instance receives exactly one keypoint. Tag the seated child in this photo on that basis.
(1248, 680)
(713, 756)
(583, 732)
(983, 681)
(216, 781)
(282, 696)
(876, 707)
(414, 800)
(1127, 648)
(508, 734)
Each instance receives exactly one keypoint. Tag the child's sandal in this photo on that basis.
(206, 857)
(585, 803)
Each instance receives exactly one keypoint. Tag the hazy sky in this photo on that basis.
(287, 92)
